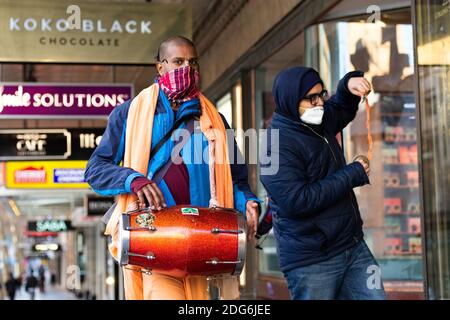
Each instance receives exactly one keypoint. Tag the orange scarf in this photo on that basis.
(137, 150)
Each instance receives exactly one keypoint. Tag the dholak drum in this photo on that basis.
(184, 240)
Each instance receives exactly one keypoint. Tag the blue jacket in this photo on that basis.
(107, 176)
(315, 212)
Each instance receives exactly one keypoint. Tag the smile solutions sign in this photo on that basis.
(88, 32)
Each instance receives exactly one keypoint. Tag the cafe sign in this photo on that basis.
(35, 144)
(49, 144)
(88, 32)
(46, 100)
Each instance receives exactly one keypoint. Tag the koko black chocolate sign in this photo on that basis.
(48, 144)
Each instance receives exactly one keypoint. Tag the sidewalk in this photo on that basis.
(50, 294)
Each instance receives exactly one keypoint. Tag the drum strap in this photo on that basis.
(159, 175)
(163, 170)
(167, 136)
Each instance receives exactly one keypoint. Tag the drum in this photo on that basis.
(184, 240)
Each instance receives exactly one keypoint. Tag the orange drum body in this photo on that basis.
(184, 240)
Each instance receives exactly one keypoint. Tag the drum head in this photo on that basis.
(242, 244)
(124, 239)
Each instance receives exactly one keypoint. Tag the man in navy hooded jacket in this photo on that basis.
(316, 220)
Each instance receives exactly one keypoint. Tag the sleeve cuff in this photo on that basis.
(343, 92)
(130, 179)
(259, 205)
(254, 199)
(362, 178)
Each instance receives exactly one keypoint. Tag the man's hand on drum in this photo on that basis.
(152, 195)
(252, 215)
(148, 193)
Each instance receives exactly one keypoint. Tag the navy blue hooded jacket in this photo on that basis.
(315, 212)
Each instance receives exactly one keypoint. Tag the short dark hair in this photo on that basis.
(177, 40)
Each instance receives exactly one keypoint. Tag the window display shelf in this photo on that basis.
(402, 226)
(402, 233)
(407, 165)
(402, 142)
(403, 214)
(402, 187)
(402, 255)
(404, 113)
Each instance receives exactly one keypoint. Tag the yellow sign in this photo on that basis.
(46, 175)
(87, 32)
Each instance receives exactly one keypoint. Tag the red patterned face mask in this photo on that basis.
(180, 85)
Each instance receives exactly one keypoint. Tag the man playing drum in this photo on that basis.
(205, 174)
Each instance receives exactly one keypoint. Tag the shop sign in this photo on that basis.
(46, 174)
(46, 100)
(62, 31)
(49, 225)
(49, 144)
(97, 206)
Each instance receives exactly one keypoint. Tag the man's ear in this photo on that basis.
(160, 68)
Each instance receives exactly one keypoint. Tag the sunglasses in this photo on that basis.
(314, 98)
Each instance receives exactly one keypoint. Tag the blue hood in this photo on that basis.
(290, 87)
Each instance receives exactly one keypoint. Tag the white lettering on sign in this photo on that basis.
(84, 25)
(14, 24)
(130, 26)
(31, 142)
(18, 99)
(89, 140)
(62, 25)
(21, 98)
(145, 27)
(45, 25)
(87, 26)
(51, 226)
(68, 175)
(30, 175)
(30, 24)
(116, 27)
(101, 205)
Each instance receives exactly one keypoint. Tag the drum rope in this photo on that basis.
(212, 175)
(369, 131)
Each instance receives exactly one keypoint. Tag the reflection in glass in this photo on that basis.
(433, 58)
(390, 206)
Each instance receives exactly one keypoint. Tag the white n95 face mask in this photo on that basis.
(313, 115)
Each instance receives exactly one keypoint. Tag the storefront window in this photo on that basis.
(433, 59)
(390, 206)
(225, 107)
